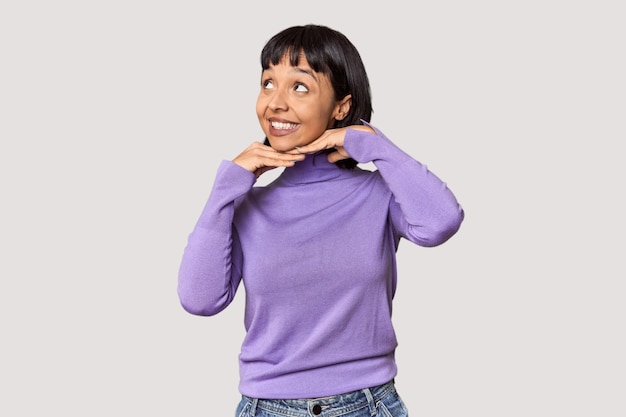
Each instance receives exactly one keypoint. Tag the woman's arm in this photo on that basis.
(423, 210)
(210, 270)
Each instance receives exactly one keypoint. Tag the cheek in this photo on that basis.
(260, 107)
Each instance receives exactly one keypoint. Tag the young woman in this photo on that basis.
(315, 248)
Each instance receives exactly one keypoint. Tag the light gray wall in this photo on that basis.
(113, 119)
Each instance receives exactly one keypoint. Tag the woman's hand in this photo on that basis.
(259, 158)
(332, 138)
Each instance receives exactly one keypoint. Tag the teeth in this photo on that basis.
(281, 125)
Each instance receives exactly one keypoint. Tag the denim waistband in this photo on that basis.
(332, 406)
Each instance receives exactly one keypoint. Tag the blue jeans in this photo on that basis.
(381, 401)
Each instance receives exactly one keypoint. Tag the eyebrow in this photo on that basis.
(305, 71)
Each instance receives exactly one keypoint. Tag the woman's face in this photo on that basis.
(296, 104)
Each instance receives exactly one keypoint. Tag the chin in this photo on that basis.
(280, 146)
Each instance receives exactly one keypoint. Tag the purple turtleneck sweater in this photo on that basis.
(316, 252)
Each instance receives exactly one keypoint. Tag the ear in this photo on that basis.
(343, 107)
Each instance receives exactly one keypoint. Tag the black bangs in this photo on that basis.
(311, 40)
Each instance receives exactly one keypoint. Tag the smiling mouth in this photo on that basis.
(283, 125)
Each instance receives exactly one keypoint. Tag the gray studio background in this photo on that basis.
(115, 115)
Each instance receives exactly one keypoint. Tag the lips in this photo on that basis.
(282, 128)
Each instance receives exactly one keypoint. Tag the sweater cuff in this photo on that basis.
(366, 147)
(233, 180)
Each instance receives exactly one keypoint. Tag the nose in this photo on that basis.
(278, 101)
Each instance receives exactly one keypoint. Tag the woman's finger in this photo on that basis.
(258, 156)
(331, 138)
(338, 155)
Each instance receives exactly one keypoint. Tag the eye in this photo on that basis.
(301, 88)
(267, 84)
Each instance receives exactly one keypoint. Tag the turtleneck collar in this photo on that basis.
(314, 168)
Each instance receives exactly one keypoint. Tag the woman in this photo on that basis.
(316, 247)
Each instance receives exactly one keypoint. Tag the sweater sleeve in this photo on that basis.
(423, 209)
(210, 270)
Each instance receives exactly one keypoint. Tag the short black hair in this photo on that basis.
(329, 52)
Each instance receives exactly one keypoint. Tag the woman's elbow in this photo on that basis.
(202, 306)
(440, 231)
